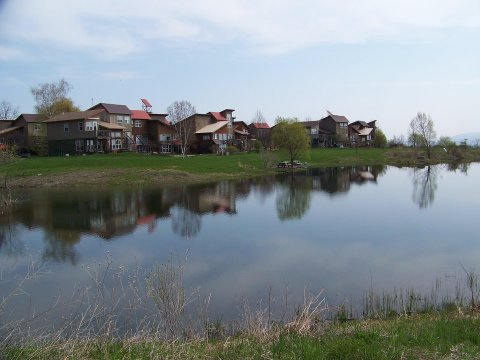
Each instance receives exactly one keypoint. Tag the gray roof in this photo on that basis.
(77, 115)
(338, 118)
(113, 108)
(30, 117)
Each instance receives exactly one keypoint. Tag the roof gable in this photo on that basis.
(211, 128)
(113, 108)
(218, 116)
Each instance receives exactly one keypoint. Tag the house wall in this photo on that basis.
(36, 141)
(55, 131)
(341, 134)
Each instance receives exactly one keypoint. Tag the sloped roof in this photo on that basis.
(110, 126)
(29, 117)
(310, 123)
(338, 118)
(211, 128)
(113, 108)
(146, 103)
(218, 116)
(363, 131)
(10, 129)
(75, 115)
(260, 125)
(140, 115)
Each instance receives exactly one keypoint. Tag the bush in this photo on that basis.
(232, 149)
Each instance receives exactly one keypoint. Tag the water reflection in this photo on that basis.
(67, 215)
(424, 185)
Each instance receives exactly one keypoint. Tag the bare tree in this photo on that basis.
(178, 112)
(421, 128)
(7, 111)
(52, 98)
(258, 118)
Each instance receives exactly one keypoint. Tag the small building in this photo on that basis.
(119, 115)
(261, 132)
(27, 133)
(162, 134)
(140, 119)
(312, 128)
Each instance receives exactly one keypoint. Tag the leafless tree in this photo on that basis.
(7, 111)
(258, 118)
(421, 128)
(52, 98)
(178, 112)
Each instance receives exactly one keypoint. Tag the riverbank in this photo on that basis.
(145, 169)
(444, 335)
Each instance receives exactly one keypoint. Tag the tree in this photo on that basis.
(380, 140)
(52, 98)
(258, 118)
(291, 136)
(7, 111)
(178, 112)
(421, 129)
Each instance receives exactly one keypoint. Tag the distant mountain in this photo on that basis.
(472, 138)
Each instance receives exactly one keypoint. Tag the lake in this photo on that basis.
(337, 230)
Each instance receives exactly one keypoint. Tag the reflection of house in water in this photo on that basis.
(363, 174)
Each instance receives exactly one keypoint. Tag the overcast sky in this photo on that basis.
(365, 59)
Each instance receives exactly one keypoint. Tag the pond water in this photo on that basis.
(342, 230)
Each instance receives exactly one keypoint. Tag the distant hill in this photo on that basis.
(472, 138)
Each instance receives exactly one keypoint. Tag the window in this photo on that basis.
(90, 146)
(65, 127)
(36, 127)
(138, 123)
(206, 137)
(79, 146)
(116, 144)
(343, 125)
(120, 119)
(165, 137)
(126, 119)
(166, 149)
(90, 126)
(80, 126)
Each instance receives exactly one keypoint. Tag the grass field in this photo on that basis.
(132, 167)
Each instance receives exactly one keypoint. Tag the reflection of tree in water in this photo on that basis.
(424, 185)
(185, 222)
(457, 165)
(10, 244)
(59, 246)
(293, 200)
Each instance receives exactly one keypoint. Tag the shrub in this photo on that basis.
(232, 149)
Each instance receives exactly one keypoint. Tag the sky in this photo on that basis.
(383, 60)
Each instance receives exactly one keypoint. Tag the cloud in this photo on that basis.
(114, 28)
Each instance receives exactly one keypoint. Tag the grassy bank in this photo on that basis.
(132, 168)
(445, 335)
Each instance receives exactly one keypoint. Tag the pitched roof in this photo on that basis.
(10, 129)
(211, 128)
(110, 126)
(29, 117)
(337, 118)
(146, 103)
(76, 115)
(260, 125)
(113, 108)
(310, 123)
(218, 116)
(140, 115)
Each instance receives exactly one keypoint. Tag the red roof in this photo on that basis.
(218, 116)
(140, 115)
(146, 103)
(261, 125)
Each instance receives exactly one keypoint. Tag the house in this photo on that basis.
(204, 138)
(333, 130)
(361, 133)
(27, 133)
(162, 134)
(83, 132)
(119, 115)
(312, 128)
(261, 132)
(140, 119)
(241, 135)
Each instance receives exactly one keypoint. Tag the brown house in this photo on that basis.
(333, 130)
(241, 135)
(199, 140)
(162, 134)
(361, 133)
(83, 132)
(140, 119)
(261, 132)
(27, 132)
(119, 115)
